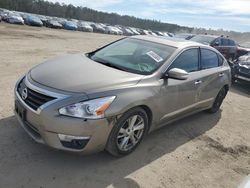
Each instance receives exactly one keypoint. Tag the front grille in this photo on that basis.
(244, 70)
(34, 99)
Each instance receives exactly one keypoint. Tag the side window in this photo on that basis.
(231, 43)
(188, 61)
(224, 42)
(209, 59)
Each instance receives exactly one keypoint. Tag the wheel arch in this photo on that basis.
(226, 87)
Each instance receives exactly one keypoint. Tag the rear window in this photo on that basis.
(209, 59)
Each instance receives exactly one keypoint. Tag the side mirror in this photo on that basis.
(178, 74)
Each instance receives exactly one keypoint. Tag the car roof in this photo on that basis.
(174, 42)
(206, 35)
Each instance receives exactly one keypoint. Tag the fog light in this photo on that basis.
(73, 142)
(68, 138)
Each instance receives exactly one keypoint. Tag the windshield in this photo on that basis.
(202, 39)
(133, 55)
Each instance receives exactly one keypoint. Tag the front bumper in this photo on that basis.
(241, 73)
(242, 77)
(46, 126)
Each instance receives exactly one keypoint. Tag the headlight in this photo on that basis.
(92, 109)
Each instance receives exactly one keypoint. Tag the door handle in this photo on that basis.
(198, 82)
(221, 74)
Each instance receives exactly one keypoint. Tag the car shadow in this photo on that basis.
(241, 88)
(29, 163)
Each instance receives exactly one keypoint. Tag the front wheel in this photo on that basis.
(128, 132)
(218, 101)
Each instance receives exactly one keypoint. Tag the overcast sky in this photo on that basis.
(215, 14)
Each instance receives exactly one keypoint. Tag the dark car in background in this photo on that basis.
(241, 68)
(33, 21)
(224, 45)
(53, 24)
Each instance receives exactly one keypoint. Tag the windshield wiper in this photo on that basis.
(103, 62)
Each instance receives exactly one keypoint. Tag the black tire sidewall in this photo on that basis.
(216, 107)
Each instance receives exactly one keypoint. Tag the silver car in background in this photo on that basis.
(109, 99)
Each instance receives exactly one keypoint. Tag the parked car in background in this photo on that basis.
(152, 33)
(60, 20)
(33, 21)
(243, 49)
(4, 15)
(186, 36)
(84, 26)
(113, 30)
(159, 33)
(53, 24)
(97, 28)
(241, 68)
(169, 34)
(125, 31)
(69, 25)
(112, 97)
(224, 45)
(14, 19)
(135, 32)
(43, 18)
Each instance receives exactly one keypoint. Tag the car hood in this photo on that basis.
(78, 73)
(244, 58)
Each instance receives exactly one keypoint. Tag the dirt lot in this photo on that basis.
(199, 151)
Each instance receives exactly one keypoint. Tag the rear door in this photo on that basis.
(213, 76)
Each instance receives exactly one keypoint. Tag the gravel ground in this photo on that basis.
(199, 151)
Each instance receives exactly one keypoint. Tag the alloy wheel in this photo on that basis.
(130, 133)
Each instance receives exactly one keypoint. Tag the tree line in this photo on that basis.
(83, 13)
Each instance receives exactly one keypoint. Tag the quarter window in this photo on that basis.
(209, 59)
(188, 61)
(221, 60)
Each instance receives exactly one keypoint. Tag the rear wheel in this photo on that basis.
(128, 132)
(218, 101)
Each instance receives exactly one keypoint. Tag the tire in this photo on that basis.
(233, 80)
(129, 138)
(218, 101)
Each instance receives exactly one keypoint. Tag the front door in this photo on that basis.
(180, 96)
